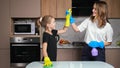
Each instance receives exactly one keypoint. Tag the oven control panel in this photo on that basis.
(25, 40)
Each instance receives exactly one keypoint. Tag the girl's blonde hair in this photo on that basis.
(45, 20)
(102, 11)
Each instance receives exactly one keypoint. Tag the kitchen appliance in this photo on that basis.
(24, 28)
(82, 7)
(77, 43)
(24, 50)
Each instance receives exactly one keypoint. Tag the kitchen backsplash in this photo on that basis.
(72, 36)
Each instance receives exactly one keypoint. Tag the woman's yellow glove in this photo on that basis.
(47, 62)
(68, 15)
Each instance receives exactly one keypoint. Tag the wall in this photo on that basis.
(112, 51)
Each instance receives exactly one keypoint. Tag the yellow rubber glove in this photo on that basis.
(47, 62)
(68, 14)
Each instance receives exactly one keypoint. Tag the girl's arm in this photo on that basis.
(44, 49)
(47, 61)
(74, 26)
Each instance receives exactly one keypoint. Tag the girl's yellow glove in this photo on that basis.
(68, 15)
(47, 62)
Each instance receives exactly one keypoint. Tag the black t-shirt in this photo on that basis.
(52, 44)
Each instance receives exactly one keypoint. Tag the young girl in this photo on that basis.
(98, 33)
(49, 45)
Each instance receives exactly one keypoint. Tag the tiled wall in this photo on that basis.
(116, 29)
(73, 36)
(70, 34)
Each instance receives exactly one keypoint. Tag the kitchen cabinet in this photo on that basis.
(64, 54)
(74, 54)
(48, 7)
(4, 24)
(56, 8)
(4, 58)
(69, 54)
(112, 56)
(62, 6)
(25, 8)
(4, 34)
(37, 8)
(113, 8)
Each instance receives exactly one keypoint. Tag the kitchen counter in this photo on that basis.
(80, 45)
(68, 46)
(72, 46)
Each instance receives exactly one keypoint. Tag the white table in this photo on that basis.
(72, 64)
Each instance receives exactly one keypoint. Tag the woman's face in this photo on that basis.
(52, 24)
(94, 10)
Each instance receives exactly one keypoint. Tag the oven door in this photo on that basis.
(24, 53)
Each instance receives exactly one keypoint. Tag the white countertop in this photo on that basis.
(72, 64)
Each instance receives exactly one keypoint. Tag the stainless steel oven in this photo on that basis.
(24, 49)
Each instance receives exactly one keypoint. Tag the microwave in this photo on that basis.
(24, 28)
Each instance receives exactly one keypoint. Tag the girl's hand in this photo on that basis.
(68, 15)
(47, 62)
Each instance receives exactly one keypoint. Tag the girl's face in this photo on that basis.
(94, 10)
(52, 24)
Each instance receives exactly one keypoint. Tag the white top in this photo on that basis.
(72, 64)
(93, 33)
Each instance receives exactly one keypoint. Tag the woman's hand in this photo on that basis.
(95, 44)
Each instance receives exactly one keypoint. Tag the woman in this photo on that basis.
(98, 33)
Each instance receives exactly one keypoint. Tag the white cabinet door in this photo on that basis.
(25, 8)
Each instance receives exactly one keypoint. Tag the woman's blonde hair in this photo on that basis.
(102, 11)
(45, 20)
